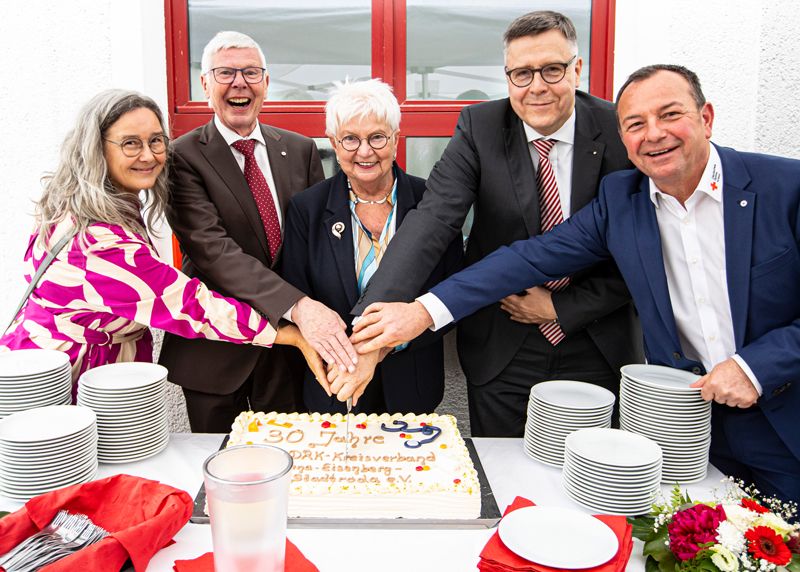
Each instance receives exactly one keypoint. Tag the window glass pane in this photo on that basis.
(328, 156)
(467, 61)
(421, 155)
(308, 44)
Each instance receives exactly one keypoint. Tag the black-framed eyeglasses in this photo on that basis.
(226, 75)
(133, 146)
(551, 73)
(377, 141)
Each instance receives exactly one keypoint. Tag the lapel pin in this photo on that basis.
(283, 153)
(337, 229)
(594, 152)
(742, 203)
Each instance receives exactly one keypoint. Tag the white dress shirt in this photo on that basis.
(693, 247)
(260, 151)
(560, 156)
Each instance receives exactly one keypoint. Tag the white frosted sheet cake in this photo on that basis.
(381, 476)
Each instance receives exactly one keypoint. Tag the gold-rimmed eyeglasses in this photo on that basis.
(133, 146)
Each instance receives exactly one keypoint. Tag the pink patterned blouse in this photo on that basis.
(99, 296)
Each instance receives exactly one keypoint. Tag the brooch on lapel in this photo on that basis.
(337, 229)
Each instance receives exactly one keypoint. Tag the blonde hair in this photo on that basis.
(80, 187)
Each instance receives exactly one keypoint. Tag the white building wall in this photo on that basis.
(56, 55)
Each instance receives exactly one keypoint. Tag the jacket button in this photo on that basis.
(696, 370)
(676, 355)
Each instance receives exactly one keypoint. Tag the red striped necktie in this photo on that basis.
(551, 215)
(262, 195)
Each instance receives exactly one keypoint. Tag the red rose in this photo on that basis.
(693, 527)
(754, 506)
(763, 542)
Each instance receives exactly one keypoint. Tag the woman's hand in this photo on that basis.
(345, 384)
(289, 335)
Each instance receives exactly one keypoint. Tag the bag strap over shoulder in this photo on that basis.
(59, 246)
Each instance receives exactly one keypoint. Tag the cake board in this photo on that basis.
(489, 517)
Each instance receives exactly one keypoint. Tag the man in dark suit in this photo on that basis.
(708, 241)
(491, 163)
(231, 183)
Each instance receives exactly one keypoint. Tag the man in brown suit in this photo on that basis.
(231, 182)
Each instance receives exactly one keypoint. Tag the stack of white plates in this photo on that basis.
(611, 471)
(34, 378)
(556, 409)
(129, 400)
(45, 449)
(657, 402)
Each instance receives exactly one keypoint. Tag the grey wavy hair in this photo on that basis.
(80, 186)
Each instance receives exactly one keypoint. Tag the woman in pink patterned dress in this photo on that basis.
(107, 285)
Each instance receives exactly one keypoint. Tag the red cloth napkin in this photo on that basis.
(495, 557)
(295, 562)
(141, 515)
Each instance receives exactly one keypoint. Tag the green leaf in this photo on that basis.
(2, 513)
(657, 546)
(651, 565)
(643, 527)
(794, 563)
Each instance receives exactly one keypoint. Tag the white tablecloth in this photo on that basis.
(509, 470)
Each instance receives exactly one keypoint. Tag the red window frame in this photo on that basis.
(420, 118)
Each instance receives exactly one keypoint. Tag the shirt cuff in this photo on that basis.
(749, 373)
(439, 313)
(288, 315)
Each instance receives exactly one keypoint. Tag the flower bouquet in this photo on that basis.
(735, 533)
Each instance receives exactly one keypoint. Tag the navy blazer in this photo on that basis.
(322, 265)
(761, 202)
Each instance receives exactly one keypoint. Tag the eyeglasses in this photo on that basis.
(228, 75)
(551, 73)
(377, 141)
(133, 146)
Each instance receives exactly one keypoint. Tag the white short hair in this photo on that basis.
(362, 99)
(224, 41)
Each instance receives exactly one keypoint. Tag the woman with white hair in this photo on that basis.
(105, 284)
(336, 234)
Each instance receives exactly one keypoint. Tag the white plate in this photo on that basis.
(544, 459)
(22, 363)
(126, 375)
(613, 447)
(659, 376)
(45, 423)
(573, 394)
(546, 535)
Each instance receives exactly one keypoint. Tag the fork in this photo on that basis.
(64, 535)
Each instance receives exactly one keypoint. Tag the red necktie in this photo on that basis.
(261, 193)
(551, 214)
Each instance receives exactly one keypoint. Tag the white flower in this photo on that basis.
(774, 522)
(742, 518)
(731, 537)
(724, 559)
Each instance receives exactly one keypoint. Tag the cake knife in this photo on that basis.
(347, 428)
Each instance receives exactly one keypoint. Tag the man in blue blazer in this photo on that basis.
(708, 242)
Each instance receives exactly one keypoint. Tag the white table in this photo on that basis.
(509, 470)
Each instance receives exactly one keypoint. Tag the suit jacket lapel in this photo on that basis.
(219, 156)
(520, 168)
(278, 161)
(405, 196)
(587, 157)
(648, 241)
(738, 212)
(337, 212)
